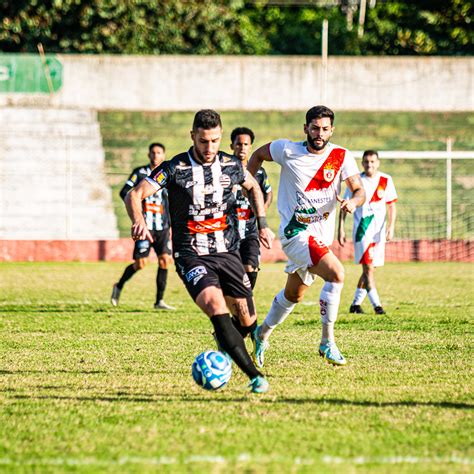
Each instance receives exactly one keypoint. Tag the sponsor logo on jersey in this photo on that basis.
(208, 226)
(243, 214)
(153, 207)
(189, 184)
(197, 210)
(161, 178)
(225, 180)
(195, 272)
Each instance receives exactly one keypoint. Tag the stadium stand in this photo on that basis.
(52, 182)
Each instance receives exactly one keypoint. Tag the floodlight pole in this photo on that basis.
(324, 60)
(449, 191)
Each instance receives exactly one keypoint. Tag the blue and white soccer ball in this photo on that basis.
(211, 370)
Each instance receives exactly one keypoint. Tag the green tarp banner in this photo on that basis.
(27, 73)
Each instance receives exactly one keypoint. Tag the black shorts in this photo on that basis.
(224, 270)
(161, 244)
(250, 251)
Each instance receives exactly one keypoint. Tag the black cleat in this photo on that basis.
(355, 308)
(379, 310)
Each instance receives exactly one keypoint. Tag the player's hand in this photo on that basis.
(341, 238)
(347, 205)
(140, 232)
(266, 237)
(389, 235)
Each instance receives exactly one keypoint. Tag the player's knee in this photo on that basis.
(294, 295)
(140, 264)
(164, 261)
(337, 276)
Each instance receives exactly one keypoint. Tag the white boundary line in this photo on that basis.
(242, 458)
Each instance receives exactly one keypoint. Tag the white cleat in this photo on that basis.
(162, 305)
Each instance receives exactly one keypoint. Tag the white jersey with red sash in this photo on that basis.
(369, 232)
(308, 187)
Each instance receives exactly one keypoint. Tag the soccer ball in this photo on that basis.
(211, 370)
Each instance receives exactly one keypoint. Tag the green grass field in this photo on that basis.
(86, 387)
(421, 185)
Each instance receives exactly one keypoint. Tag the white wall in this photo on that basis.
(259, 83)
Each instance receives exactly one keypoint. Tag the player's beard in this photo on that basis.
(202, 158)
(313, 144)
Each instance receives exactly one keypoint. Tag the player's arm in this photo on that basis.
(268, 198)
(392, 215)
(133, 203)
(255, 196)
(354, 183)
(341, 234)
(258, 157)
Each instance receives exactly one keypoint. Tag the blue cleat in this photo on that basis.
(259, 348)
(259, 384)
(330, 353)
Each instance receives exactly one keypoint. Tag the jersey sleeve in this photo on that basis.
(390, 193)
(349, 166)
(131, 182)
(277, 149)
(160, 177)
(262, 179)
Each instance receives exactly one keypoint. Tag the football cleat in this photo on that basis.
(114, 299)
(259, 348)
(355, 308)
(330, 353)
(259, 384)
(379, 310)
(162, 305)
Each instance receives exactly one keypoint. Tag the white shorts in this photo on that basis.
(372, 254)
(303, 251)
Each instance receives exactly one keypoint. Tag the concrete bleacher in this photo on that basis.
(52, 180)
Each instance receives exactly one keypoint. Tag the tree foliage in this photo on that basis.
(233, 27)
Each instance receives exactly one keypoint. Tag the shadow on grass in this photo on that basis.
(155, 398)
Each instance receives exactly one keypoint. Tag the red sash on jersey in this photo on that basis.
(379, 192)
(208, 226)
(153, 208)
(328, 171)
(243, 214)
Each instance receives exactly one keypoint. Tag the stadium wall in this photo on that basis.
(176, 83)
(120, 250)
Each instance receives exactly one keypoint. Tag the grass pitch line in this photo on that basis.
(242, 458)
(361, 460)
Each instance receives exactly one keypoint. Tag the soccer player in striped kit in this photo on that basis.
(200, 184)
(310, 181)
(370, 230)
(241, 140)
(156, 214)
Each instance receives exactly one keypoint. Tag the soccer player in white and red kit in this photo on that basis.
(370, 231)
(310, 180)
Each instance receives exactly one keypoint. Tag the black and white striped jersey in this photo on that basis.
(202, 202)
(246, 216)
(155, 207)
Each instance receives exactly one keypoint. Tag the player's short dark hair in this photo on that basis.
(242, 131)
(370, 152)
(152, 145)
(319, 111)
(206, 119)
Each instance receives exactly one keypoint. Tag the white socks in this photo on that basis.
(279, 311)
(374, 297)
(329, 306)
(359, 296)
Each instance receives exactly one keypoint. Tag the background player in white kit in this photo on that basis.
(370, 231)
(310, 180)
